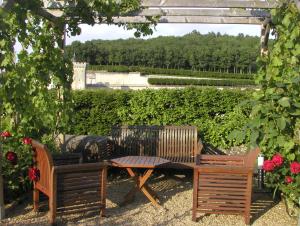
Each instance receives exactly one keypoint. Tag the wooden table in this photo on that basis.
(144, 162)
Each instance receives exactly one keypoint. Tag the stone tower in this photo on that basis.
(79, 77)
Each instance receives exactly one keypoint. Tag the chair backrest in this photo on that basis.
(176, 143)
(43, 161)
(247, 160)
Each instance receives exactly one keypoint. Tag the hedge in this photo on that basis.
(200, 82)
(168, 72)
(216, 113)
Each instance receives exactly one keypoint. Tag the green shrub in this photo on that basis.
(200, 82)
(95, 111)
(168, 72)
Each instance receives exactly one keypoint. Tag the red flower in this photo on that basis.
(288, 179)
(5, 134)
(34, 174)
(295, 167)
(268, 165)
(277, 159)
(27, 140)
(11, 157)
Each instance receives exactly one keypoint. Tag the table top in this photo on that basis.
(139, 161)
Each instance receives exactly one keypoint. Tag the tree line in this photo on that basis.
(194, 51)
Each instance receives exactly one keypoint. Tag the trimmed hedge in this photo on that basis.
(168, 72)
(215, 112)
(200, 82)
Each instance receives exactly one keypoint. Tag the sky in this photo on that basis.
(113, 32)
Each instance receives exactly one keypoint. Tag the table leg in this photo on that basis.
(149, 193)
(142, 186)
(129, 197)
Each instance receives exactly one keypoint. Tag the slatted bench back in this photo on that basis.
(175, 143)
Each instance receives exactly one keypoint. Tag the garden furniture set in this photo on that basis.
(222, 184)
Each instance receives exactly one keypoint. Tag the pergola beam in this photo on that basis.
(201, 12)
(192, 19)
(264, 39)
(267, 4)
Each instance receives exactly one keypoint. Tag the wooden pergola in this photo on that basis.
(256, 12)
(182, 11)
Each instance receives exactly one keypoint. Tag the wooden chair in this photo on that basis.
(70, 188)
(223, 184)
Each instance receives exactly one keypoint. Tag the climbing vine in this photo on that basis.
(276, 115)
(35, 81)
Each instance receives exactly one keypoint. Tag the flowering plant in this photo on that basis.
(284, 175)
(16, 158)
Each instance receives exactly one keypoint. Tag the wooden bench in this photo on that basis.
(179, 144)
(70, 188)
(223, 184)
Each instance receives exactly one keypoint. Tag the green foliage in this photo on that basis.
(26, 105)
(168, 72)
(15, 174)
(95, 111)
(275, 116)
(213, 111)
(200, 82)
(194, 51)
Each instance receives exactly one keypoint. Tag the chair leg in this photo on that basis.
(102, 212)
(194, 217)
(52, 212)
(36, 198)
(247, 219)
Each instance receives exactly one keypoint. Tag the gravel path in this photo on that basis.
(176, 199)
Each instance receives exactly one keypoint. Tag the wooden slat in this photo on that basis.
(207, 173)
(75, 209)
(221, 192)
(78, 167)
(220, 196)
(201, 12)
(209, 199)
(69, 195)
(78, 175)
(211, 3)
(224, 185)
(216, 189)
(215, 207)
(227, 181)
(192, 19)
(74, 206)
(195, 139)
(78, 181)
(78, 199)
(74, 188)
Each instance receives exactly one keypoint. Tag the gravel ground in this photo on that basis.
(176, 199)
